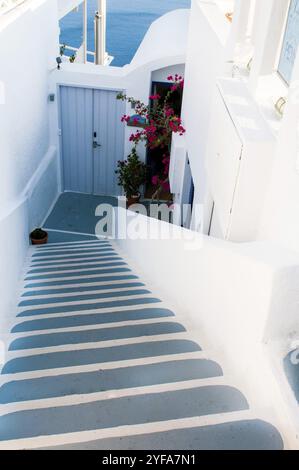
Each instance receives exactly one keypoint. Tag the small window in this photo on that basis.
(290, 43)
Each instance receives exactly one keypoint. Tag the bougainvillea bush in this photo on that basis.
(160, 122)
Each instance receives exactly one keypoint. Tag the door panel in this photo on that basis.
(77, 127)
(110, 135)
(223, 163)
(89, 116)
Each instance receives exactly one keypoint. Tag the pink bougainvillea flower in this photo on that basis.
(125, 118)
(155, 97)
(169, 112)
(155, 180)
(165, 185)
(161, 121)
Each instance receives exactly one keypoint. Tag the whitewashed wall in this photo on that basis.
(214, 47)
(162, 74)
(28, 47)
(208, 34)
(280, 219)
(234, 296)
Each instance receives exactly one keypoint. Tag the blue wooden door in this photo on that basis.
(76, 138)
(109, 134)
(92, 139)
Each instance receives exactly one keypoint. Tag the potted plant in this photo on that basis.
(38, 237)
(159, 121)
(131, 175)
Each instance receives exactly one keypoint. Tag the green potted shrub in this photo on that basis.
(39, 237)
(131, 175)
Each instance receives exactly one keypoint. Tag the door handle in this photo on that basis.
(96, 145)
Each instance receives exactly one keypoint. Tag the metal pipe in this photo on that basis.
(100, 33)
(84, 42)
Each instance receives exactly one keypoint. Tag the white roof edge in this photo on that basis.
(157, 44)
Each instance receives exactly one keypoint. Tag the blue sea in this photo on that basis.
(127, 23)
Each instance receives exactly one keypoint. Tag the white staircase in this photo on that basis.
(97, 361)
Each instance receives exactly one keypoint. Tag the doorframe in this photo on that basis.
(59, 122)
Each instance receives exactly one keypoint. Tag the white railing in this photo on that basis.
(75, 49)
(7, 5)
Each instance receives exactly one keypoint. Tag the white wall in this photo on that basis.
(24, 66)
(162, 74)
(234, 294)
(208, 33)
(280, 219)
(167, 36)
(28, 48)
(213, 46)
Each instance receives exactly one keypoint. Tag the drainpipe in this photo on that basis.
(84, 42)
(100, 33)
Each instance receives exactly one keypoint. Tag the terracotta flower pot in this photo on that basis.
(133, 200)
(42, 241)
(39, 237)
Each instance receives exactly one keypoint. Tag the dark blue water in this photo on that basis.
(127, 23)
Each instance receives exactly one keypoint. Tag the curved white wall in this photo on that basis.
(28, 176)
(166, 37)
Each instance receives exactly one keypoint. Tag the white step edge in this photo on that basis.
(69, 400)
(87, 301)
(111, 264)
(73, 278)
(90, 262)
(54, 263)
(97, 345)
(49, 254)
(100, 326)
(54, 246)
(4, 378)
(124, 431)
(78, 294)
(157, 304)
(85, 284)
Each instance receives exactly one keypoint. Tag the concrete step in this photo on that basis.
(234, 431)
(96, 359)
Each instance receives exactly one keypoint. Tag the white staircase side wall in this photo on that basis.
(28, 177)
(236, 294)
